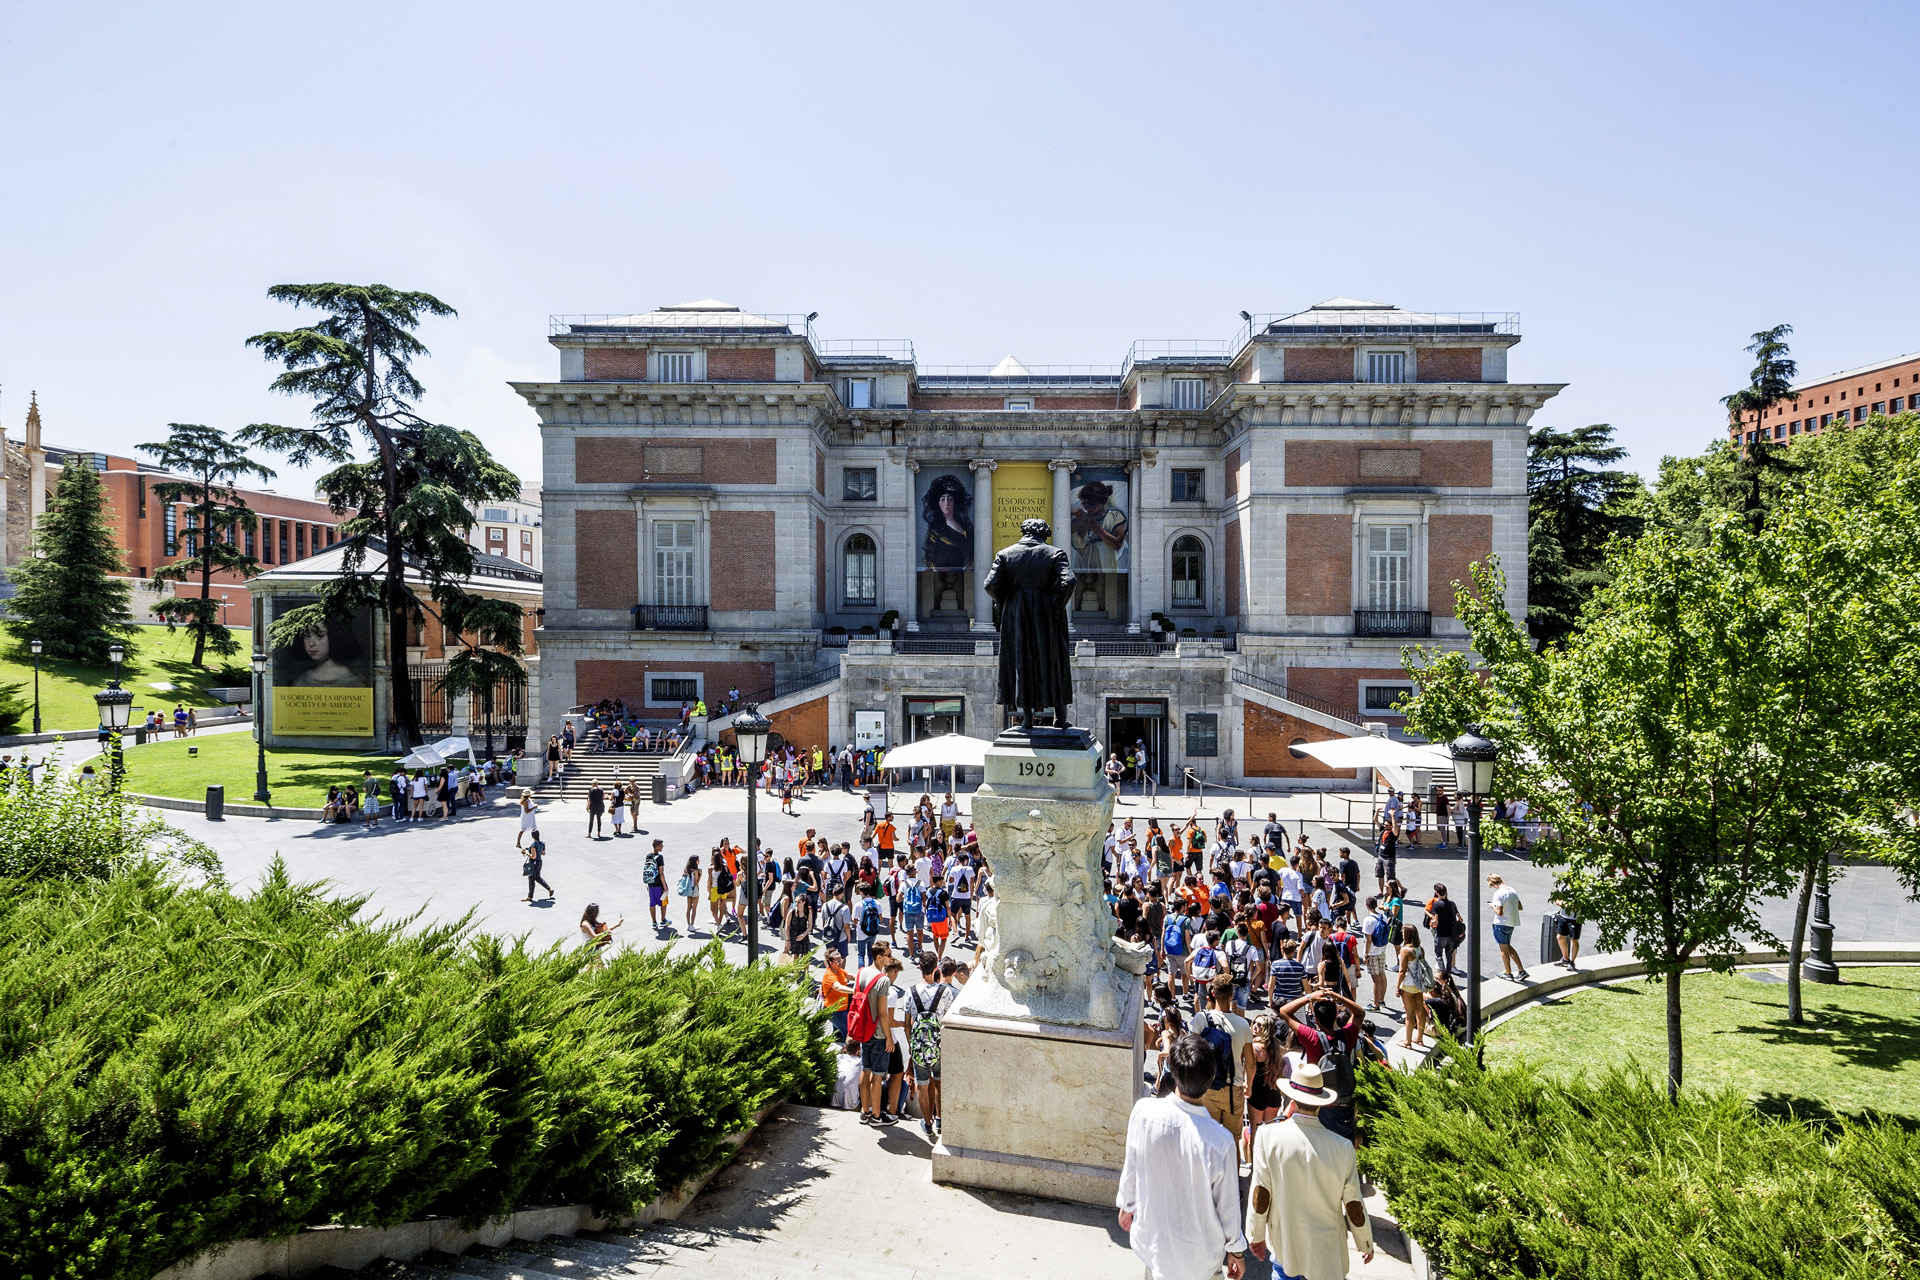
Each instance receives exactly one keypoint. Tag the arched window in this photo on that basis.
(1189, 572)
(861, 562)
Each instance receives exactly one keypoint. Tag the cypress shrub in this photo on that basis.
(181, 1067)
(1510, 1173)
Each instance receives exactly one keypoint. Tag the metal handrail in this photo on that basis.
(1188, 776)
(898, 349)
(1279, 690)
(769, 323)
(1391, 623)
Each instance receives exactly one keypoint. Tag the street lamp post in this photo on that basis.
(750, 730)
(1474, 757)
(260, 791)
(115, 705)
(36, 646)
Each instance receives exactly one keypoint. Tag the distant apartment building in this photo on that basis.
(1891, 386)
(510, 530)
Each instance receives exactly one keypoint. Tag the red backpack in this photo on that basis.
(860, 1026)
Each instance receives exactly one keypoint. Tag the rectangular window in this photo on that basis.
(526, 537)
(862, 572)
(193, 523)
(1020, 403)
(1860, 414)
(99, 462)
(526, 556)
(859, 393)
(676, 366)
(1203, 733)
(1879, 406)
(299, 542)
(1389, 566)
(860, 484)
(1189, 485)
(1793, 428)
(673, 562)
(1779, 431)
(285, 535)
(143, 497)
(674, 689)
(494, 513)
(496, 535)
(1381, 697)
(329, 535)
(1188, 393)
(171, 519)
(249, 542)
(1386, 366)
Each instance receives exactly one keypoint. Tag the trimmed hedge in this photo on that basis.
(182, 1067)
(1502, 1173)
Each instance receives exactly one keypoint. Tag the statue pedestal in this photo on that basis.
(1041, 1057)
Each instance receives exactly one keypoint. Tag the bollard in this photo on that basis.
(216, 803)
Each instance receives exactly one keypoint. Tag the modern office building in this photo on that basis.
(510, 530)
(1853, 395)
(1259, 524)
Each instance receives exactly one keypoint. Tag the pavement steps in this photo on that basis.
(580, 773)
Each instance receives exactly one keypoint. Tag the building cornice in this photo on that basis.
(1417, 404)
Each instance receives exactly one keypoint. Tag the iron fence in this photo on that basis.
(1393, 623)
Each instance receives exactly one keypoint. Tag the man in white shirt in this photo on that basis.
(1293, 887)
(1305, 1195)
(1517, 815)
(1179, 1195)
(1506, 918)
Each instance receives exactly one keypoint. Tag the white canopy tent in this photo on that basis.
(1375, 752)
(432, 755)
(954, 750)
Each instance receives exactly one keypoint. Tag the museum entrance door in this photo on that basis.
(1134, 720)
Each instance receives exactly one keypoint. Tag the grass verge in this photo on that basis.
(299, 777)
(67, 688)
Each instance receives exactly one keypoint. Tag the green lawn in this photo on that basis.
(299, 778)
(1860, 1049)
(67, 688)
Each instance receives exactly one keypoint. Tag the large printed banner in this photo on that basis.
(1021, 491)
(323, 682)
(945, 499)
(1097, 505)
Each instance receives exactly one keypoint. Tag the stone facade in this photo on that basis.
(728, 502)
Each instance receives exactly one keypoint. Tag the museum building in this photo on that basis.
(1259, 524)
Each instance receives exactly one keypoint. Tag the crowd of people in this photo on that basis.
(418, 795)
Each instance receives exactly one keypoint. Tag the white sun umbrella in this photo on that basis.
(954, 750)
(1367, 753)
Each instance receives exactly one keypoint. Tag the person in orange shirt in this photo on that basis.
(885, 834)
(836, 985)
(732, 855)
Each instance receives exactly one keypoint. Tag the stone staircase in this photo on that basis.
(605, 767)
(662, 1249)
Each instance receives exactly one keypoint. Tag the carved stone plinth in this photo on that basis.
(1049, 1026)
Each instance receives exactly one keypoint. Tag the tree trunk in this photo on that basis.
(1673, 1033)
(206, 586)
(1797, 949)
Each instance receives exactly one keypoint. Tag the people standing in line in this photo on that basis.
(1305, 1198)
(1416, 979)
(866, 1028)
(689, 887)
(894, 1105)
(417, 797)
(1449, 930)
(1179, 1196)
(1230, 1036)
(1505, 902)
(617, 805)
(1441, 814)
(596, 808)
(654, 874)
(533, 861)
(836, 987)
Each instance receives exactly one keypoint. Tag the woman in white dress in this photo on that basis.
(618, 799)
(529, 820)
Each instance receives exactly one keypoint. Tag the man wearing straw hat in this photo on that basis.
(1305, 1195)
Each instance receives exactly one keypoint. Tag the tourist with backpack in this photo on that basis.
(1179, 1196)
(1449, 929)
(914, 913)
(1416, 979)
(719, 890)
(867, 1030)
(1173, 945)
(1332, 1044)
(1230, 1038)
(927, 1002)
(836, 925)
(1377, 929)
(653, 873)
(1241, 957)
(689, 887)
(1206, 961)
(869, 923)
(960, 889)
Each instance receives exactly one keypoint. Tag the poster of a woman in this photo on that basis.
(946, 514)
(323, 680)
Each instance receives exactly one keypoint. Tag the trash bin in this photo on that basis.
(659, 789)
(1550, 937)
(139, 735)
(216, 803)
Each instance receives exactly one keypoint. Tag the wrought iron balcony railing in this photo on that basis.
(1392, 623)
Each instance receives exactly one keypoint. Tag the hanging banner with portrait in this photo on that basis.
(1098, 503)
(323, 682)
(943, 503)
(1021, 491)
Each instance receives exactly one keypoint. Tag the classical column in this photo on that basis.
(1062, 469)
(983, 547)
(1136, 573)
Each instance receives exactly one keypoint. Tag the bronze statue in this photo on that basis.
(1030, 585)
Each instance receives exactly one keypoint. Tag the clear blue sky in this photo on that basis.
(1645, 184)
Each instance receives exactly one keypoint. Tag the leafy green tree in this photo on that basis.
(216, 517)
(1653, 745)
(70, 592)
(1770, 384)
(410, 500)
(1575, 504)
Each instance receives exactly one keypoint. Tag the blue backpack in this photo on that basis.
(1220, 1041)
(1173, 939)
(913, 897)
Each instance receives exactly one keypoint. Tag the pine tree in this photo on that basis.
(1574, 505)
(70, 593)
(215, 515)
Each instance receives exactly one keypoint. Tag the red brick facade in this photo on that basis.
(1267, 735)
(1448, 364)
(743, 560)
(804, 725)
(607, 550)
(616, 364)
(1319, 563)
(597, 678)
(1341, 685)
(1453, 544)
(1462, 464)
(1319, 364)
(685, 460)
(1891, 387)
(1231, 573)
(740, 364)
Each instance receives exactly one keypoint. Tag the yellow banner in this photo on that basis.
(1021, 491)
(323, 713)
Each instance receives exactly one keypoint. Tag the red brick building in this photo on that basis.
(1891, 386)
